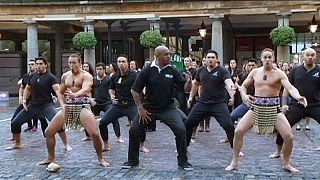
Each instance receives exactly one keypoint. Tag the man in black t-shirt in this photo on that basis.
(101, 99)
(306, 78)
(23, 83)
(40, 86)
(122, 100)
(182, 96)
(214, 80)
(159, 80)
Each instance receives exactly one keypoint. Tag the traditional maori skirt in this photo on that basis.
(265, 111)
(73, 110)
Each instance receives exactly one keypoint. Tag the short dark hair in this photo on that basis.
(76, 56)
(45, 61)
(211, 51)
(125, 56)
(252, 60)
(31, 60)
(101, 64)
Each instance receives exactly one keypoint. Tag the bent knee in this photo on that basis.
(180, 130)
(288, 137)
(49, 132)
(94, 135)
(239, 132)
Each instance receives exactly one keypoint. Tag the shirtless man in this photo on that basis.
(75, 109)
(267, 82)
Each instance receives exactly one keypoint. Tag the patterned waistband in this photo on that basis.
(266, 101)
(78, 100)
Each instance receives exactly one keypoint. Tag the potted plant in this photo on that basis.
(86, 41)
(151, 39)
(282, 36)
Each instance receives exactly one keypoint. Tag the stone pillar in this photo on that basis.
(283, 52)
(109, 59)
(59, 40)
(32, 40)
(154, 25)
(89, 54)
(216, 39)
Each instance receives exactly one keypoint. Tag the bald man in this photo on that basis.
(265, 112)
(306, 78)
(159, 79)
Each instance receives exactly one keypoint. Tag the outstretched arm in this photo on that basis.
(230, 87)
(194, 90)
(247, 99)
(292, 90)
(143, 113)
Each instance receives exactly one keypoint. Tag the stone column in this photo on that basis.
(59, 40)
(109, 59)
(32, 40)
(216, 39)
(283, 52)
(89, 54)
(154, 25)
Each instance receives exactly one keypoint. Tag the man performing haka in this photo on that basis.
(75, 109)
(306, 79)
(265, 112)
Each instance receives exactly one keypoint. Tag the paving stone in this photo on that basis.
(207, 155)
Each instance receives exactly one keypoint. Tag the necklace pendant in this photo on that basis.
(265, 77)
(38, 80)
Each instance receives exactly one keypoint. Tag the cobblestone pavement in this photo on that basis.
(207, 155)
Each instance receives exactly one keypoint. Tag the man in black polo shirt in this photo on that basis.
(214, 81)
(122, 100)
(159, 80)
(40, 86)
(306, 78)
(23, 83)
(101, 100)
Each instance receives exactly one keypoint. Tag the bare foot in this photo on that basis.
(144, 149)
(289, 168)
(119, 140)
(14, 146)
(67, 147)
(225, 140)
(45, 162)
(274, 155)
(106, 148)
(10, 139)
(232, 167)
(241, 154)
(86, 139)
(104, 163)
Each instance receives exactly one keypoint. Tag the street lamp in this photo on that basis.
(202, 30)
(313, 26)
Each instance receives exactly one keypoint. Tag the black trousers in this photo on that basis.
(296, 113)
(113, 114)
(171, 118)
(44, 111)
(219, 110)
(34, 119)
(104, 108)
